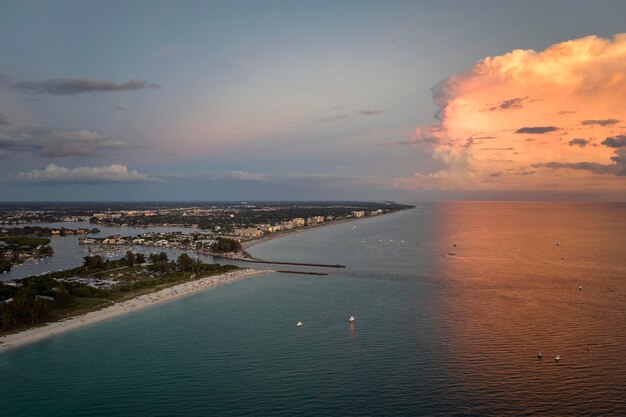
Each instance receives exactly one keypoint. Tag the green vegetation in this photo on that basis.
(224, 244)
(14, 249)
(224, 217)
(39, 299)
(46, 231)
(24, 241)
(5, 265)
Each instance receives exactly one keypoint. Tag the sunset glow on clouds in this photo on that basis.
(314, 100)
(526, 120)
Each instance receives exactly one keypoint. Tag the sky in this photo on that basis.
(314, 100)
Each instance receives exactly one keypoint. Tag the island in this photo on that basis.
(18, 244)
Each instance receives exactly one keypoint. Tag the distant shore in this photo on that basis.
(249, 243)
(36, 334)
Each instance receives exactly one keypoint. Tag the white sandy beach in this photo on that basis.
(36, 334)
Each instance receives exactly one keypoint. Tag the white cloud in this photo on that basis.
(106, 174)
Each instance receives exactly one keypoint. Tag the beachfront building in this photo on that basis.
(248, 232)
(268, 228)
(314, 220)
(358, 214)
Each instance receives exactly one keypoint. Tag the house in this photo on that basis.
(248, 232)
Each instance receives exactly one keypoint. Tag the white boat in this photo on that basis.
(299, 324)
(557, 358)
(539, 355)
(351, 319)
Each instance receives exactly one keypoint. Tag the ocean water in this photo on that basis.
(68, 253)
(440, 329)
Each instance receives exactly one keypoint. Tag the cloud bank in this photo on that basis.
(539, 130)
(68, 86)
(56, 143)
(371, 112)
(54, 174)
(555, 114)
(290, 179)
(333, 118)
(615, 142)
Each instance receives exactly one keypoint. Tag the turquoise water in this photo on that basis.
(436, 334)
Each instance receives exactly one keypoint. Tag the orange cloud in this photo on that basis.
(510, 121)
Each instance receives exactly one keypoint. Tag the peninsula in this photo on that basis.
(39, 307)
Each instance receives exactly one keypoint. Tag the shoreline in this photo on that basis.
(244, 256)
(36, 334)
(249, 243)
(165, 295)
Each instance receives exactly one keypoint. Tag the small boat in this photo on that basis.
(558, 243)
(580, 288)
(351, 319)
(557, 358)
(539, 355)
(299, 324)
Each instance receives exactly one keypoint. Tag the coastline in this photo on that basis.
(33, 335)
(249, 243)
(36, 334)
